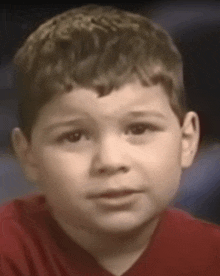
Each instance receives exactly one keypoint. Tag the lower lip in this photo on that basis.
(117, 202)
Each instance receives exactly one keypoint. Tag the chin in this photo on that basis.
(125, 225)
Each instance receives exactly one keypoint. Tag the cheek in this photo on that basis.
(62, 171)
(63, 181)
(161, 164)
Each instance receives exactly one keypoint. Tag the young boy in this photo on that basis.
(105, 134)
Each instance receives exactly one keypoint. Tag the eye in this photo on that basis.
(73, 136)
(140, 128)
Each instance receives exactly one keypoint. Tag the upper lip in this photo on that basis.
(114, 193)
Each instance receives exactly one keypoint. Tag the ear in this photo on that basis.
(190, 138)
(24, 154)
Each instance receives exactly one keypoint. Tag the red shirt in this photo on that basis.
(32, 244)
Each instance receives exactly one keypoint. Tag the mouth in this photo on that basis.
(112, 200)
(114, 193)
(117, 194)
(116, 199)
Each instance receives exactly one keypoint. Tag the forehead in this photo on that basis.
(86, 102)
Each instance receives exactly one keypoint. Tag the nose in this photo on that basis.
(110, 157)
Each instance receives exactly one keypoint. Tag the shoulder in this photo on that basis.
(18, 229)
(18, 206)
(190, 231)
(187, 244)
(19, 215)
(189, 226)
(19, 210)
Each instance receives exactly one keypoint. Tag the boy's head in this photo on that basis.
(106, 164)
(95, 47)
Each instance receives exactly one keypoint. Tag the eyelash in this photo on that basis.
(142, 128)
(67, 135)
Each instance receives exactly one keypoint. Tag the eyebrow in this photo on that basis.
(149, 113)
(134, 114)
(56, 125)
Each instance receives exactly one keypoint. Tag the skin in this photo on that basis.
(99, 150)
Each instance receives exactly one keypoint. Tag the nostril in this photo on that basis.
(124, 169)
(111, 170)
(102, 170)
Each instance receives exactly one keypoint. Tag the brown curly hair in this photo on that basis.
(95, 47)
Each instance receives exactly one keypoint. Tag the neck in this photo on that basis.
(114, 252)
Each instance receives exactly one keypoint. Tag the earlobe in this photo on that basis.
(190, 138)
(22, 149)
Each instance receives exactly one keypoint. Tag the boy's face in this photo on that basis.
(112, 163)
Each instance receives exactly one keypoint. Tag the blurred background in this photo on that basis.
(195, 28)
